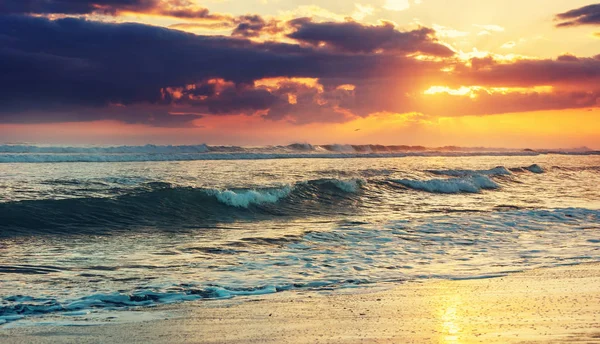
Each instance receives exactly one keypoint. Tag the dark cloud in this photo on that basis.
(221, 97)
(357, 38)
(202, 18)
(49, 64)
(567, 58)
(79, 70)
(254, 26)
(587, 15)
(303, 103)
(285, 99)
(137, 114)
(171, 8)
(219, 25)
(565, 71)
(91, 63)
(67, 6)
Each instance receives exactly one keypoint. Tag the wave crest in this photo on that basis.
(243, 199)
(535, 168)
(346, 185)
(472, 184)
(166, 206)
(496, 171)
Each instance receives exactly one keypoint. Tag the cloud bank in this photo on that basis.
(75, 69)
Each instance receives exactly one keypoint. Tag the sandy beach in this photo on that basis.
(554, 305)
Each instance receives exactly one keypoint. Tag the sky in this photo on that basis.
(494, 73)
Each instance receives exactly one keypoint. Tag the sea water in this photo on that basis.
(89, 229)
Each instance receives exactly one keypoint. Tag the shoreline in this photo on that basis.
(550, 305)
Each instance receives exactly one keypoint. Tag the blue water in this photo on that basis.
(82, 237)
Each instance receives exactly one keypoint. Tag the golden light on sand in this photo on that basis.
(451, 326)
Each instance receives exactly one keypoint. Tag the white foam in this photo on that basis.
(472, 239)
(472, 184)
(350, 186)
(222, 293)
(243, 199)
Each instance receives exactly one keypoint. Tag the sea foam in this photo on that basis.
(350, 186)
(243, 199)
(340, 257)
(471, 184)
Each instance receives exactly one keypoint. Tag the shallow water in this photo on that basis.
(76, 237)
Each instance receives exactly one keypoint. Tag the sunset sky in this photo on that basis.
(510, 73)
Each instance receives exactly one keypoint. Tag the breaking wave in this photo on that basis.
(125, 203)
(350, 186)
(472, 184)
(153, 204)
(535, 169)
(170, 207)
(243, 199)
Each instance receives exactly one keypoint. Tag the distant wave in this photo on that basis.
(497, 171)
(472, 184)
(535, 168)
(61, 158)
(56, 154)
(146, 149)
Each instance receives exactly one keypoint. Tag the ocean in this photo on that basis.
(98, 229)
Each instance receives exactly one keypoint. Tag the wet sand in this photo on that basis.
(554, 305)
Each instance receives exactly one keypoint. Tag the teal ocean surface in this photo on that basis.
(94, 229)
